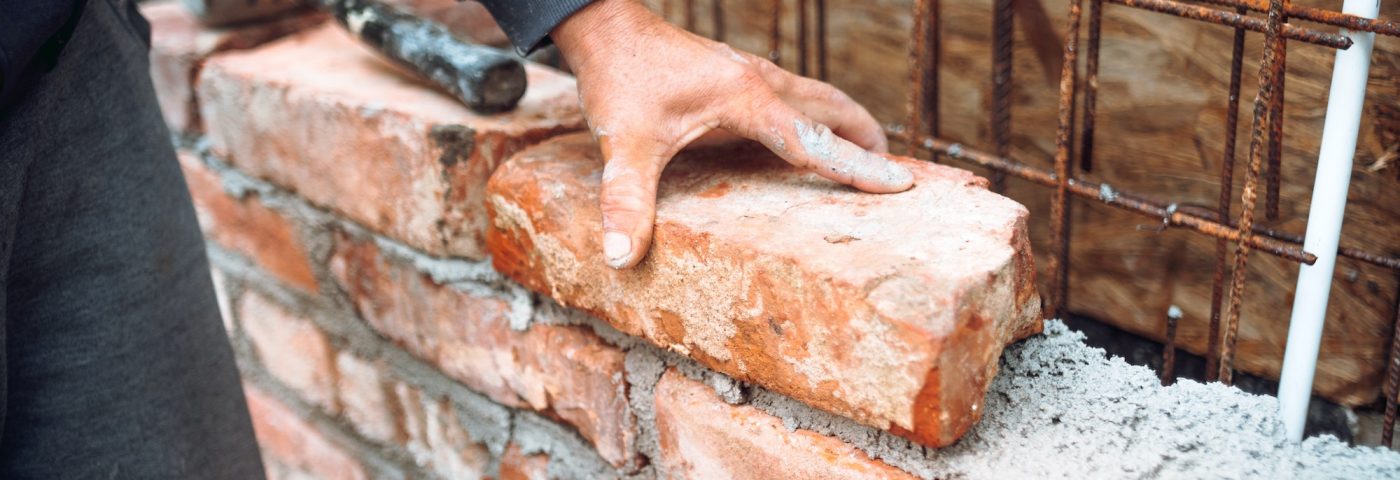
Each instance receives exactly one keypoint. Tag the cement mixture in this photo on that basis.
(1062, 409)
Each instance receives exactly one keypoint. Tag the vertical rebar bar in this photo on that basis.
(934, 34)
(821, 40)
(1091, 86)
(1392, 378)
(1227, 179)
(1268, 68)
(1168, 376)
(923, 73)
(689, 15)
(802, 38)
(1275, 176)
(1003, 36)
(775, 33)
(1060, 206)
(717, 16)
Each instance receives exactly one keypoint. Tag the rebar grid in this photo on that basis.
(920, 132)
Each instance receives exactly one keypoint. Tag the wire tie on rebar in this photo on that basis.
(1174, 312)
(928, 143)
(1167, 219)
(1106, 193)
(955, 150)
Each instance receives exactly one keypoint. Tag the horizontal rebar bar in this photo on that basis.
(1170, 214)
(1319, 15)
(1221, 17)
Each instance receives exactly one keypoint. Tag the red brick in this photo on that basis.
(365, 398)
(516, 465)
(319, 114)
(179, 44)
(564, 371)
(248, 227)
(291, 348)
(436, 439)
(287, 439)
(703, 437)
(888, 309)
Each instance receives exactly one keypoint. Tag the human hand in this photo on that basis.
(649, 89)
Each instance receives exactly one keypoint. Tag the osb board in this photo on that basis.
(1162, 91)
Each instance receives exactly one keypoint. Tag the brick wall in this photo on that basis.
(416, 291)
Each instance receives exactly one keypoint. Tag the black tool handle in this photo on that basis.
(486, 79)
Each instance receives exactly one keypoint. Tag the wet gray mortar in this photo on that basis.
(1062, 409)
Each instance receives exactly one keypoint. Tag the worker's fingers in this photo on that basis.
(824, 103)
(635, 160)
(806, 143)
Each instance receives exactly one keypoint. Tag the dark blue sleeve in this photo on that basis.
(31, 33)
(528, 22)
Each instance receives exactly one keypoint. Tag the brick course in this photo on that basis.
(319, 114)
(565, 371)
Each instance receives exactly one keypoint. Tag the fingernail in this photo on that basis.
(616, 247)
(900, 177)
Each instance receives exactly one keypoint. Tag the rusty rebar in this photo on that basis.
(1353, 253)
(775, 33)
(1060, 206)
(1392, 378)
(1003, 36)
(1274, 177)
(1227, 179)
(717, 16)
(821, 40)
(1169, 349)
(923, 94)
(1268, 68)
(690, 15)
(802, 37)
(1171, 215)
(1318, 15)
(1221, 17)
(1091, 86)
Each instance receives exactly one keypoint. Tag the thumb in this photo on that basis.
(628, 199)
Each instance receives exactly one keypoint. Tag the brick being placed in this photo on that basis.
(888, 309)
(319, 114)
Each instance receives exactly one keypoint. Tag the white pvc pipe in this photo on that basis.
(1329, 200)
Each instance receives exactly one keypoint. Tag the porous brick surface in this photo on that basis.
(701, 436)
(246, 226)
(565, 371)
(179, 45)
(319, 114)
(291, 348)
(517, 465)
(290, 442)
(436, 438)
(366, 398)
(889, 309)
